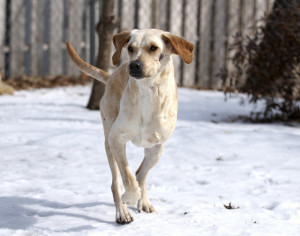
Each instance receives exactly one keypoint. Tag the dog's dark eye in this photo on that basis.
(153, 48)
(130, 49)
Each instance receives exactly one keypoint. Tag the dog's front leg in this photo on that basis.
(152, 156)
(117, 143)
(123, 216)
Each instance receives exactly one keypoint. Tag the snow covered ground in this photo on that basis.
(55, 178)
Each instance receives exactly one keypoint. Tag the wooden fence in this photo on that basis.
(33, 32)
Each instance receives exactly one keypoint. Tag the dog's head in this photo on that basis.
(150, 51)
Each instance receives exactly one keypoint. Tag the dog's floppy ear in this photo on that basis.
(119, 41)
(180, 47)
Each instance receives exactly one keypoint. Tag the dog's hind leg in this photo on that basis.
(123, 216)
(152, 156)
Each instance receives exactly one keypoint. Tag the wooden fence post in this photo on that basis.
(145, 14)
(17, 38)
(175, 24)
(234, 12)
(2, 34)
(37, 33)
(190, 34)
(74, 34)
(127, 22)
(219, 40)
(56, 37)
(205, 43)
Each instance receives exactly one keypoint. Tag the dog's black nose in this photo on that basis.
(136, 69)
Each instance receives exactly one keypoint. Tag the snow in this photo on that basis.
(55, 178)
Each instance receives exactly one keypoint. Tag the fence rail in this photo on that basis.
(33, 32)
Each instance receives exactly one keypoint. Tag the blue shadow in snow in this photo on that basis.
(15, 215)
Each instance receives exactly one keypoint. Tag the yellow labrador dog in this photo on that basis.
(139, 105)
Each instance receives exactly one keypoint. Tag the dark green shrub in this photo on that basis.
(267, 65)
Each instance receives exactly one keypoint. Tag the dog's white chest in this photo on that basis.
(154, 119)
(150, 134)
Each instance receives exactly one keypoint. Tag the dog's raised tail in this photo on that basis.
(93, 71)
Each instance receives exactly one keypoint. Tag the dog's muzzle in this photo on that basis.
(136, 69)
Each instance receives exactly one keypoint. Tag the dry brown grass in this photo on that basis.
(28, 82)
(4, 88)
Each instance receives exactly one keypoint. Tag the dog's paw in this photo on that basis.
(123, 216)
(131, 197)
(144, 205)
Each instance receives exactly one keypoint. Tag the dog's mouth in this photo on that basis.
(138, 71)
(137, 76)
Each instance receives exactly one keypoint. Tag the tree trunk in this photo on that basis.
(105, 29)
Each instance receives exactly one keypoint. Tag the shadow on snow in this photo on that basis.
(15, 215)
